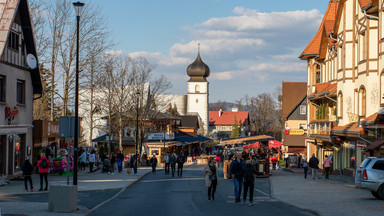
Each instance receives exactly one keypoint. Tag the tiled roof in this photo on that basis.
(349, 129)
(327, 24)
(324, 88)
(228, 117)
(293, 93)
(370, 119)
(364, 3)
(7, 13)
(246, 139)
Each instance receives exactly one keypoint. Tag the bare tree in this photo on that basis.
(219, 105)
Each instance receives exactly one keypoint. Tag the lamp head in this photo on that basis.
(78, 7)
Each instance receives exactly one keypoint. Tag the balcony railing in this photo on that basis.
(321, 127)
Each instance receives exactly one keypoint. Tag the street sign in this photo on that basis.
(67, 126)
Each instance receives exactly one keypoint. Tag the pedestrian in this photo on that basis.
(44, 165)
(305, 166)
(144, 159)
(314, 164)
(27, 169)
(167, 160)
(180, 164)
(173, 164)
(249, 181)
(119, 161)
(211, 178)
(153, 163)
(82, 159)
(92, 160)
(135, 163)
(113, 162)
(299, 158)
(327, 166)
(236, 172)
(274, 161)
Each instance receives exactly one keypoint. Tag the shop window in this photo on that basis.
(18, 156)
(20, 92)
(13, 41)
(303, 126)
(2, 88)
(303, 109)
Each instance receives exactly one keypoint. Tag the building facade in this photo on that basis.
(19, 82)
(221, 122)
(345, 80)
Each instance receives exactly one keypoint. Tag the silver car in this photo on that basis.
(370, 176)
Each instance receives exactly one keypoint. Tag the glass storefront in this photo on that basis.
(350, 153)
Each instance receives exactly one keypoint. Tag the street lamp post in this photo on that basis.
(137, 122)
(78, 8)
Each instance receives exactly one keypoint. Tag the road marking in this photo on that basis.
(172, 179)
(261, 192)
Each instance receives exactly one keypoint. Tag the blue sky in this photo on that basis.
(251, 46)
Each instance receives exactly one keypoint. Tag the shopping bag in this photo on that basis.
(129, 170)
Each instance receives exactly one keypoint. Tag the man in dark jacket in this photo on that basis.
(180, 164)
(249, 181)
(27, 169)
(236, 173)
(119, 161)
(153, 163)
(314, 164)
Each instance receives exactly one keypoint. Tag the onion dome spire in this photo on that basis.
(198, 70)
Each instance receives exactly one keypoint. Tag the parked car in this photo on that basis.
(370, 176)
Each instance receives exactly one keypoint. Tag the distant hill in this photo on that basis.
(227, 106)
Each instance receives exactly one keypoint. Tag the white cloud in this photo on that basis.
(248, 46)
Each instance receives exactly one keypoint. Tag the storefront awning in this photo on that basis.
(188, 139)
(246, 139)
(375, 144)
(349, 130)
(294, 140)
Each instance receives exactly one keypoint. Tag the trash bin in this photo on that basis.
(263, 167)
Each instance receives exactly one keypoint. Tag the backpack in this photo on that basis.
(44, 163)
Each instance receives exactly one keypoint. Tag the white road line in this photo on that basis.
(261, 192)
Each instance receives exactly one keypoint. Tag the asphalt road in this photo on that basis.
(164, 195)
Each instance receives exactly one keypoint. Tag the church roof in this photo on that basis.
(198, 70)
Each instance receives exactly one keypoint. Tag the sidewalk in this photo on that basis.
(96, 181)
(336, 196)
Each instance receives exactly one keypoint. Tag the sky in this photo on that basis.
(250, 46)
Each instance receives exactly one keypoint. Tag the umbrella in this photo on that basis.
(253, 145)
(274, 144)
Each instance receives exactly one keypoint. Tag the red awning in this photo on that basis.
(271, 144)
(253, 145)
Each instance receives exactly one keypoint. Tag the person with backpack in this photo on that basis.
(44, 165)
(27, 169)
(180, 164)
(153, 161)
(173, 164)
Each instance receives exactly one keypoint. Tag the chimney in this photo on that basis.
(235, 109)
(220, 111)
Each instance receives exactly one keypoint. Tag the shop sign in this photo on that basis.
(160, 136)
(361, 144)
(10, 114)
(297, 132)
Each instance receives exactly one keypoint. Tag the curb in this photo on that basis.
(117, 194)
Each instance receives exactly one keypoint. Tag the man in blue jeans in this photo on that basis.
(236, 173)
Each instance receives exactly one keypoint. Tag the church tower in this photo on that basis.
(198, 90)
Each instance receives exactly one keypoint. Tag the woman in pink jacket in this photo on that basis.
(327, 166)
(44, 165)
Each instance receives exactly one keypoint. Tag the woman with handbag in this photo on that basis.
(211, 177)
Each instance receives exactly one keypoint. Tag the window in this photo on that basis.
(303, 126)
(340, 105)
(223, 128)
(20, 92)
(379, 165)
(197, 89)
(362, 46)
(303, 110)
(362, 102)
(318, 74)
(2, 88)
(13, 40)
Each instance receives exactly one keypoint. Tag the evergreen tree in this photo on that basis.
(235, 129)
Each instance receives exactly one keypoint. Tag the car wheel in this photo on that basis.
(380, 192)
(375, 194)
